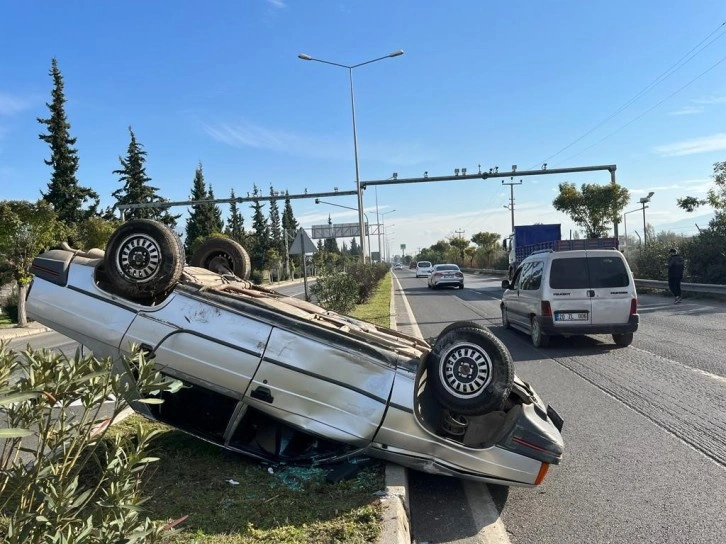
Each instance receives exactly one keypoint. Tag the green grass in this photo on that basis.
(288, 505)
(378, 308)
(5, 321)
(269, 504)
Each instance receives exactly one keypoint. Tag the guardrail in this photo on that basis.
(689, 287)
(709, 288)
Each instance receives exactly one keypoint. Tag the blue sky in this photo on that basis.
(480, 84)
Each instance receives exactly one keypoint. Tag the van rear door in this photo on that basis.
(612, 287)
(569, 287)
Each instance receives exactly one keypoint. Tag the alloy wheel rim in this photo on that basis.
(466, 370)
(139, 258)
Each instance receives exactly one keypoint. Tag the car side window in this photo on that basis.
(533, 279)
(520, 277)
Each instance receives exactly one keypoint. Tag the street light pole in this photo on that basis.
(625, 225)
(318, 201)
(383, 215)
(359, 190)
(643, 202)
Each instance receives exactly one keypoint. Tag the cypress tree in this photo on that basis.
(203, 221)
(136, 188)
(64, 193)
(261, 238)
(235, 222)
(289, 223)
(277, 241)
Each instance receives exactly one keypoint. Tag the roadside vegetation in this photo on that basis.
(142, 481)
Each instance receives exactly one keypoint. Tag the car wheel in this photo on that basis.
(624, 339)
(539, 339)
(505, 318)
(223, 256)
(461, 285)
(143, 259)
(471, 369)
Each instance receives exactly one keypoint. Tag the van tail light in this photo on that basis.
(633, 306)
(546, 309)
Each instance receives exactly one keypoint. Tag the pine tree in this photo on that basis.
(261, 237)
(64, 193)
(203, 221)
(277, 241)
(217, 222)
(235, 222)
(289, 223)
(136, 189)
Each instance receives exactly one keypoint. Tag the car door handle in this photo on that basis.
(263, 394)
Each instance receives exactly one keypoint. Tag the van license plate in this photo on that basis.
(571, 316)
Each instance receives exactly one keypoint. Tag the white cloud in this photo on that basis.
(12, 104)
(687, 110)
(716, 142)
(710, 100)
(245, 134)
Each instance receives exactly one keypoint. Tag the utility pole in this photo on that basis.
(460, 233)
(511, 184)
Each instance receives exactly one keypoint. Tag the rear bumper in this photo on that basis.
(549, 327)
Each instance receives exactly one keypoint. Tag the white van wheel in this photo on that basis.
(539, 339)
(624, 339)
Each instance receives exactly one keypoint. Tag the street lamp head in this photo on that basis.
(397, 53)
(303, 56)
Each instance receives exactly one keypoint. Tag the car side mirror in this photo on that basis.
(505, 284)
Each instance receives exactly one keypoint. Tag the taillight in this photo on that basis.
(437, 275)
(633, 306)
(546, 309)
(459, 275)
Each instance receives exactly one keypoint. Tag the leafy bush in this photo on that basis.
(336, 291)
(10, 308)
(61, 478)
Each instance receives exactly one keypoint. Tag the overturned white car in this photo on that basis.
(284, 380)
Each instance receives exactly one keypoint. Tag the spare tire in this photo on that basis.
(470, 370)
(143, 259)
(223, 256)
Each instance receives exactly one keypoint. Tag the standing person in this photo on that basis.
(675, 273)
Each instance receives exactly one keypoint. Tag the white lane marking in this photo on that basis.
(481, 504)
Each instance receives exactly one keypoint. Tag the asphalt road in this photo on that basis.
(645, 427)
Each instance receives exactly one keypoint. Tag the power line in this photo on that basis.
(665, 75)
(699, 76)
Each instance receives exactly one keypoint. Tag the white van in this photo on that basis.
(424, 268)
(572, 292)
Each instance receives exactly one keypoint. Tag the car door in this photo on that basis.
(530, 292)
(324, 383)
(569, 290)
(202, 343)
(611, 287)
(512, 300)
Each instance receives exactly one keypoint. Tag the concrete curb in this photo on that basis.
(396, 528)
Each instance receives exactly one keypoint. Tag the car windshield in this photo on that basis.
(441, 267)
(424, 264)
(588, 273)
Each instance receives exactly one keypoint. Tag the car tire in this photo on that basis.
(471, 370)
(505, 318)
(623, 339)
(223, 256)
(143, 259)
(461, 286)
(539, 339)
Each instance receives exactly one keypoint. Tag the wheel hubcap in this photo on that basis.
(466, 370)
(139, 258)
